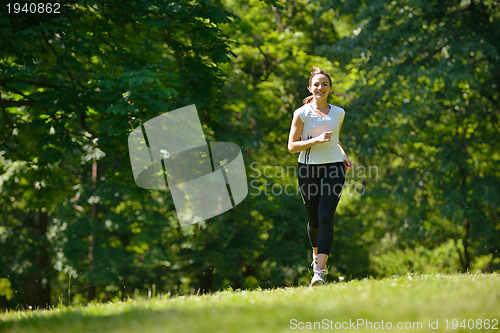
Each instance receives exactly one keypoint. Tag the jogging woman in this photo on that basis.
(322, 165)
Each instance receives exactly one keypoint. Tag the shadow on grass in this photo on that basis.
(98, 320)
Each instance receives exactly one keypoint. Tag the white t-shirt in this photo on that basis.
(315, 125)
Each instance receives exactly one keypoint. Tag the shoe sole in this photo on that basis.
(317, 283)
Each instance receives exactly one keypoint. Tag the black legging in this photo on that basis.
(321, 186)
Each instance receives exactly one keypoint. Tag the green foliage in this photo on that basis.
(6, 289)
(444, 258)
(426, 104)
(72, 90)
(274, 49)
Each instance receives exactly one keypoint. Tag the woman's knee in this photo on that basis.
(325, 220)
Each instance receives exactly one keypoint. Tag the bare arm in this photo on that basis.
(294, 143)
(341, 149)
(347, 162)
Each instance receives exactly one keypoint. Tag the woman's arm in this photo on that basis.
(294, 143)
(342, 149)
(347, 162)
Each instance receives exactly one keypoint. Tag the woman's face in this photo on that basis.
(320, 86)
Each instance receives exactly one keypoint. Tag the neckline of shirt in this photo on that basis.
(326, 115)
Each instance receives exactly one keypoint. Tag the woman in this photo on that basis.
(322, 165)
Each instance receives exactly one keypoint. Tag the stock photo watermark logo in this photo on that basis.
(204, 179)
(277, 180)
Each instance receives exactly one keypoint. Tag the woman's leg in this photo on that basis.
(313, 234)
(309, 185)
(332, 183)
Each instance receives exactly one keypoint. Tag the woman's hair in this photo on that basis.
(316, 71)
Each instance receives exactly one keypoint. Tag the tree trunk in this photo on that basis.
(466, 261)
(206, 280)
(93, 219)
(37, 281)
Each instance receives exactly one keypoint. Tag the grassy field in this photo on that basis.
(436, 303)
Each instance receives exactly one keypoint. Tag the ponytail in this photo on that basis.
(308, 99)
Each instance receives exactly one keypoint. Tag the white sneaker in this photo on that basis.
(319, 277)
(314, 263)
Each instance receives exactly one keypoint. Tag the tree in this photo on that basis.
(72, 89)
(427, 103)
(264, 239)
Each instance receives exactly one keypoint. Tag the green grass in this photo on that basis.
(404, 299)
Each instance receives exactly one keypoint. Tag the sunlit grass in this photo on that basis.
(413, 299)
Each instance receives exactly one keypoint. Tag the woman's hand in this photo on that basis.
(324, 137)
(347, 163)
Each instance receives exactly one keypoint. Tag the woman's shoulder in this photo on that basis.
(303, 108)
(302, 111)
(337, 108)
